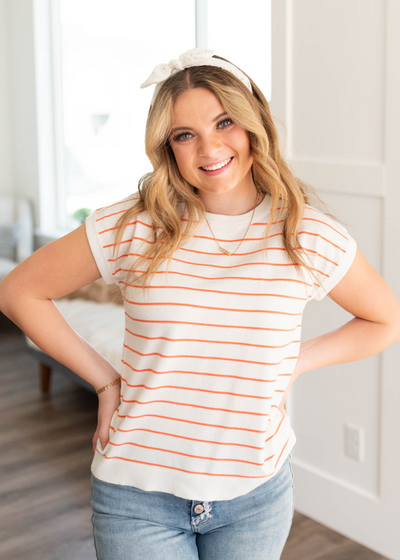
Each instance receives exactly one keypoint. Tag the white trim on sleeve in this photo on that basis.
(97, 249)
(345, 264)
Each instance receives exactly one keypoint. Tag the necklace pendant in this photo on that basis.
(225, 251)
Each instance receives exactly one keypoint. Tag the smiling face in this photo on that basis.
(208, 137)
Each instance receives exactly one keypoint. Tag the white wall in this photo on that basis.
(6, 181)
(336, 85)
(335, 88)
(18, 162)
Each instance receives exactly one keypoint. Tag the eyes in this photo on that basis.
(179, 137)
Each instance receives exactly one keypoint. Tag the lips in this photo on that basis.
(221, 170)
(215, 162)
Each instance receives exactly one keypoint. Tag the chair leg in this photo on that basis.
(45, 376)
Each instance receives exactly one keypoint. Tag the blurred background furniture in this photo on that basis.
(16, 232)
(97, 314)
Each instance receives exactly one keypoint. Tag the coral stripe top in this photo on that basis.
(209, 349)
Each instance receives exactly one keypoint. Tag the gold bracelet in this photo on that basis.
(108, 386)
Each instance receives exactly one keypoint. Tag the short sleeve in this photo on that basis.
(330, 248)
(100, 230)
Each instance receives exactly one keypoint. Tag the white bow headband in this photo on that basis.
(193, 57)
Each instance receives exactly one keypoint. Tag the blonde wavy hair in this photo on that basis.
(165, 194)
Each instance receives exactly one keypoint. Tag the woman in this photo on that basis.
(217, 255)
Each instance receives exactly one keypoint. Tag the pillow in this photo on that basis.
(9, 236)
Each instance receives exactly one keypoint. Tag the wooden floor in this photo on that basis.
(46, 452)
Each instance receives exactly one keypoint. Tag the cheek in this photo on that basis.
(181, 156)
(183, 161)
(240, 142)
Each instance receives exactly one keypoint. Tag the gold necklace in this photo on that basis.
(221, 248)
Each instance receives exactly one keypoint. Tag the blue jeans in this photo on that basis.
(134, 524)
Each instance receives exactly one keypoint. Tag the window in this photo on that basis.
(241, 32)
(107, 50)
(102, 52)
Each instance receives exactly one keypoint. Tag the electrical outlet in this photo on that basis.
(354, 442)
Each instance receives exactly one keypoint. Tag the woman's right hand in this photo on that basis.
(109, 400)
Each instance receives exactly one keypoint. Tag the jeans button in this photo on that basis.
(199, 508)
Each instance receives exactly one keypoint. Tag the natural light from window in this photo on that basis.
(107, 49)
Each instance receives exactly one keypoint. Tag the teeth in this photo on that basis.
(214, 167)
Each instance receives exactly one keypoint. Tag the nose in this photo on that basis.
(209, 146)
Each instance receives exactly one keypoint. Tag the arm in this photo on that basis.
(375, 326)
(26, 295)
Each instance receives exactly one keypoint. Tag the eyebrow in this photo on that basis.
(188, 127)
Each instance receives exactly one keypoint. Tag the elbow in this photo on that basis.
(392, 323)
(396, 333)
(395, 323)
(394, 330)
(2, 297)
(2, 304)
(5, 295)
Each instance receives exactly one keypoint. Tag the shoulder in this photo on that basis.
(322, 229)
(101, 228)
(103, 221)
(329, 245)
(113, 211)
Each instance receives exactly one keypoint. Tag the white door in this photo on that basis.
(336, 99)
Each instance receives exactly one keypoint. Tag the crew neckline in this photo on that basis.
(235, 219)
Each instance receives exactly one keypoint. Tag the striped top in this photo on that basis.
(209, 350)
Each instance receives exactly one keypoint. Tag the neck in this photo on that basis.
(231, 206)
